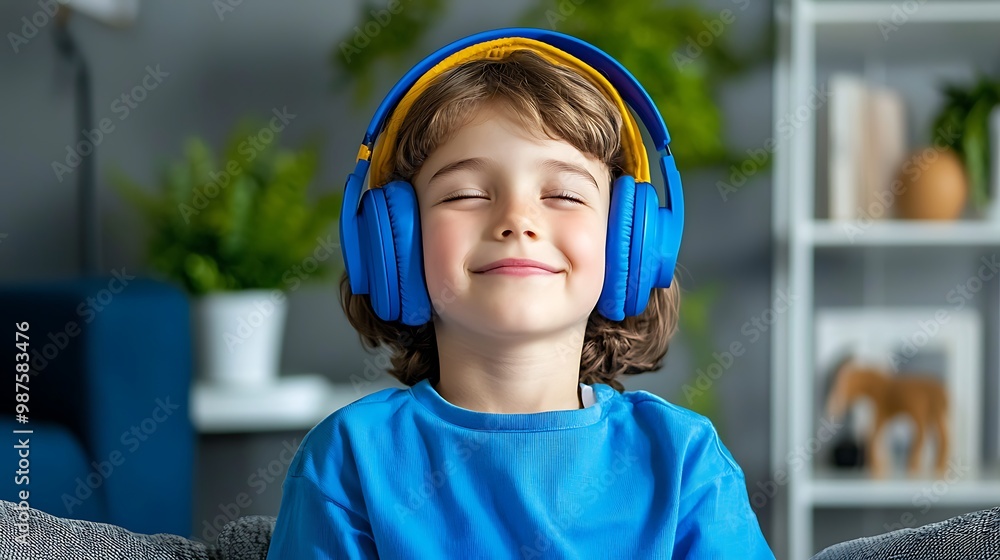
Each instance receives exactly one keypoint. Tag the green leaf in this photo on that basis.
(236, 224)
(974, 148)
(962, 123)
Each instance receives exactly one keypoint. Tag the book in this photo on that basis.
(845, 144)
(884, 152)
(864, 128)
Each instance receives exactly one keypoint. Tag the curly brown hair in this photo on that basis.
(562, 104)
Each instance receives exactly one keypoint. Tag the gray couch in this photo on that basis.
(973, 536)
(56, 538)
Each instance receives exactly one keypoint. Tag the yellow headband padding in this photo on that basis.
(636, 162)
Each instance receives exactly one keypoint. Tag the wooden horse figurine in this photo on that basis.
(923, 398)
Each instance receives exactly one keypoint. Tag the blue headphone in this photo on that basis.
(380, 227)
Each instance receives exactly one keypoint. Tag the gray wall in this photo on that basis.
(267, 55)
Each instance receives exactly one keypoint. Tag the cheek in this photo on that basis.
(446, 247)
(585, 241)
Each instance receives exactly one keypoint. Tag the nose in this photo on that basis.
(517, 217)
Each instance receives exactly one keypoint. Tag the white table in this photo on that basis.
(294, 402)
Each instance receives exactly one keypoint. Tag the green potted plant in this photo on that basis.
(963, 124)
(238, 233)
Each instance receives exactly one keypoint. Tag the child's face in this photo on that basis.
(514, 182)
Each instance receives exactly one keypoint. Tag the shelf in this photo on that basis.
(295, 402)
(914, 48)
(825, 233)
(933, 33)
(841, 12)
(848, 492)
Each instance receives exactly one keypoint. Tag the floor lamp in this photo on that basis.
(115, 13)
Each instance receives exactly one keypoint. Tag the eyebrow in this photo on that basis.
(471, 164)
(486, 164)
(573, 169)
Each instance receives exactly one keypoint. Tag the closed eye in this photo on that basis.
(568, 196)
(460, 196)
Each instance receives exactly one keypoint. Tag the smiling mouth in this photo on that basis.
(518, 271)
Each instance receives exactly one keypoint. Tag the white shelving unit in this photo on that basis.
(816, 36)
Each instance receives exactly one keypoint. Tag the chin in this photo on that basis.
(513, 320)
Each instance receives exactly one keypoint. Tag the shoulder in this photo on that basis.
(691, 436)
(650, 407)
(373, 406)
(329, 453)
(328, 445)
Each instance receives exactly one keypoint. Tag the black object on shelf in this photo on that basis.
(848, 454)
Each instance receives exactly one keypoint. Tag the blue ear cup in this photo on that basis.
(612, 301)
(641, 249)
(392, 253)
(404, 218)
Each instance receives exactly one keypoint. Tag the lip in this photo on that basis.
(517, 267)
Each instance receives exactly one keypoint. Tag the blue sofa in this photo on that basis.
(111, 367)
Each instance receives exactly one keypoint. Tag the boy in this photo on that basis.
(515, 438)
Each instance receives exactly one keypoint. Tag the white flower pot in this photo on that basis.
(238, 337)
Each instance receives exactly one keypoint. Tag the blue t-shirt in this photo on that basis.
(404, 474)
